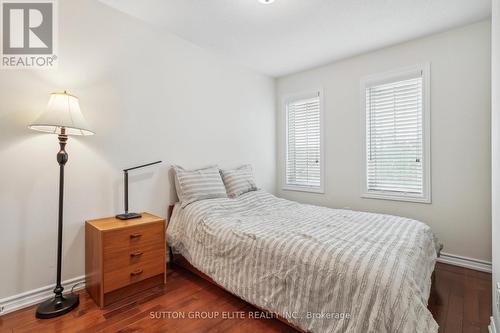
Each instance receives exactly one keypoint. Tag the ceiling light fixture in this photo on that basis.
(266, 2)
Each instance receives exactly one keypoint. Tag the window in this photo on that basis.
(304, 157)
(396, 131)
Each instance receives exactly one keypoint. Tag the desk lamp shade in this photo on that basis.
(62, 112)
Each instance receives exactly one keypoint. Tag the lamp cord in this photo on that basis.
(76, 284)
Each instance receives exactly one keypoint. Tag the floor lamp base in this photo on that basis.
(57, 306)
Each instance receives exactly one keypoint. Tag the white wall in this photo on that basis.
(495, 143)
(148, 95)
(460, 212)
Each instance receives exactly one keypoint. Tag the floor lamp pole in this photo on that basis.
(60, 304)
(62, 158)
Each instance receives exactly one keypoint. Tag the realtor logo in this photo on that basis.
(28, 31)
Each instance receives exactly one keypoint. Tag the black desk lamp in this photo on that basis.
(127, 215)
(62, 117)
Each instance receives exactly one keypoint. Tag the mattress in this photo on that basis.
(322, 269)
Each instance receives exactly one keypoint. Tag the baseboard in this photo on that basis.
(476, 264)
(19, 301)
(492, 328)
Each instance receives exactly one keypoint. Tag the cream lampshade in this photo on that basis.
(63, 111)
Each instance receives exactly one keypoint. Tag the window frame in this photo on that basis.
(394, 76)
(285, 101)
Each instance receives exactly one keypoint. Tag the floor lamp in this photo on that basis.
(62, 117)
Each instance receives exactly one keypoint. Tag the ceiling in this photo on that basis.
(291, 35)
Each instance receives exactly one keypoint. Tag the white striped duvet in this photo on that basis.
(313, 265)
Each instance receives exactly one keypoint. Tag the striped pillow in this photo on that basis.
(195, 185)
(239, 181)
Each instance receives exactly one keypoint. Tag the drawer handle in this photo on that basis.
(136, 272)
(135, 236)
(136, 254)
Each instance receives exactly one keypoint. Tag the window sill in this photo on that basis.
(318, 190)
(395, 197)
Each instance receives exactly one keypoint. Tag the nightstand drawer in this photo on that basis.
(129, 238)
(117, 260)
(132, 274)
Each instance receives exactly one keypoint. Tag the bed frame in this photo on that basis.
(179, 260)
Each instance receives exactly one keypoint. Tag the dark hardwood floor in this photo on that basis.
(460, 301)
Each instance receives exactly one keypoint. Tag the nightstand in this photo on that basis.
(124, 257)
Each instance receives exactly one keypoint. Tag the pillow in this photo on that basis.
(239, 181)
(201, 184)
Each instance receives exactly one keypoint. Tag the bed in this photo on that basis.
(321, 269)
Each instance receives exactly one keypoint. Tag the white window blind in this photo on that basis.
(303, 143)
(395, 137)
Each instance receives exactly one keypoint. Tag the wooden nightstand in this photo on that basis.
(124, 257)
